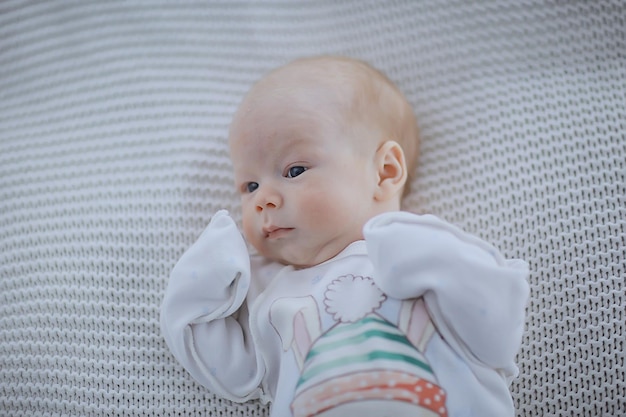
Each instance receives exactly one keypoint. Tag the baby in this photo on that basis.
(351, 307)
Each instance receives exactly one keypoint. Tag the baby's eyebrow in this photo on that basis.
(305, 145)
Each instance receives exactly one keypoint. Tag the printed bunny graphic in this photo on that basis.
(363, 363)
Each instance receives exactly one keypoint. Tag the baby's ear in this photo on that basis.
(392, 171)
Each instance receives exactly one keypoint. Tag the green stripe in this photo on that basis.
(344, 327)
(316, 370)
(358, 338)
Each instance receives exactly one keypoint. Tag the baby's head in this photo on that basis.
(319, 146)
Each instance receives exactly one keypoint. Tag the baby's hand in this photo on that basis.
(209, 283)
(223, 249)
(214, 271)
(221, 219)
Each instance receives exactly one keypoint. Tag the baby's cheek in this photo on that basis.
(315, 207)
(248, 232)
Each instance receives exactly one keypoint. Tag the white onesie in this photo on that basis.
(418, 319)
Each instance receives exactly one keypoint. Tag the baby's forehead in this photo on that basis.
(342, 101)
(292, 101)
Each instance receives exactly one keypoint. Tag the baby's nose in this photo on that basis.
(261, 207)
(268, 198)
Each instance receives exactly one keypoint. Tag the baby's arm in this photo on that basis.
(476, 298)
(199, 313)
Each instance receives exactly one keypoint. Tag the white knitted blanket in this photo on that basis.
(113, 120)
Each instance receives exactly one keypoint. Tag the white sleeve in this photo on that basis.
(476, 298)
(201, 319)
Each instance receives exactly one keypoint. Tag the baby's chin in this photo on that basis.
(298, 262)
(300, 258)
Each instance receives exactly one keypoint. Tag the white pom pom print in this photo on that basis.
(350, 298)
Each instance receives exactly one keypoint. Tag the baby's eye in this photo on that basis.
(251, 186)
(295, 171)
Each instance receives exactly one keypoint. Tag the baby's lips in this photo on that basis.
(276, 232)
(267, 230)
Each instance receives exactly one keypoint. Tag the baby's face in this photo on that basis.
(306, 191)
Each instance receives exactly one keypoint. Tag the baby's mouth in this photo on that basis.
(274, 232)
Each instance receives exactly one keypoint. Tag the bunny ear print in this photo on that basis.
(297, 321)
(415, 322)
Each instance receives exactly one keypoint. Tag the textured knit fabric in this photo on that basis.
(418, 304)
(113, 119)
